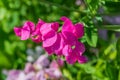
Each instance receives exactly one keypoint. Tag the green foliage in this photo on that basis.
(91, 36)
(104, 60)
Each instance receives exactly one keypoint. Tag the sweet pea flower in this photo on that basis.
(63, 43)
(73, 49)
(50, 37)
(76, 29)
(29, 30)
(74, 53)
(25, 31)
(52, 40)
(36, 35)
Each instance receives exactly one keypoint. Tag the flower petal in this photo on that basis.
(82, 59)
(65, 50)
(67, 26)
(25, 33)
(79, 30)
(55, 26)
(29, 24)
(50, 40)
(59, 44)
(17, 31)
(79, 48)
(71, 59)
(36, 35)
(69, 37)
(52, 45)
(28, 68)
(48, 27)
(37, 38)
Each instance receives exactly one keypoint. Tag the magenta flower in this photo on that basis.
(25, 31)
(73, 49)
(61, 43)
(74, 53)
(50, 36)
(76, 29)
(36, 35)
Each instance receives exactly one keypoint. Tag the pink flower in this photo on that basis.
(28, 68)
(76, 29)
(36, 35)
(61, 43)
(25, 31)
(54, 71)
(60, 62)
(50, 37)
(57, 46)
(40, 75)
(74, 53)
(73, 49)
(42, 61)
(13, 74)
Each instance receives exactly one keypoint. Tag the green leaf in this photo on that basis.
(67, 74)
(119, 75)
(79, 75)
(111, 71)
(118, 51)
(111, 27)
(91, 36)
(4, 61)
(8, 48)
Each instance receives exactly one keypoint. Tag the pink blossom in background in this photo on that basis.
(60, 62)
(13, 75)
(32, 71)
(28, 68)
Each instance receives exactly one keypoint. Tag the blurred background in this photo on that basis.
(101, 20)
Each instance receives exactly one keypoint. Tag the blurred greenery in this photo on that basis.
(104, 55)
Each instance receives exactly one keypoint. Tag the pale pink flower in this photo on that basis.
(28, 68)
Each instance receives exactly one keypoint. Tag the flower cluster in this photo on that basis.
(42, 69)
(64, 42)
